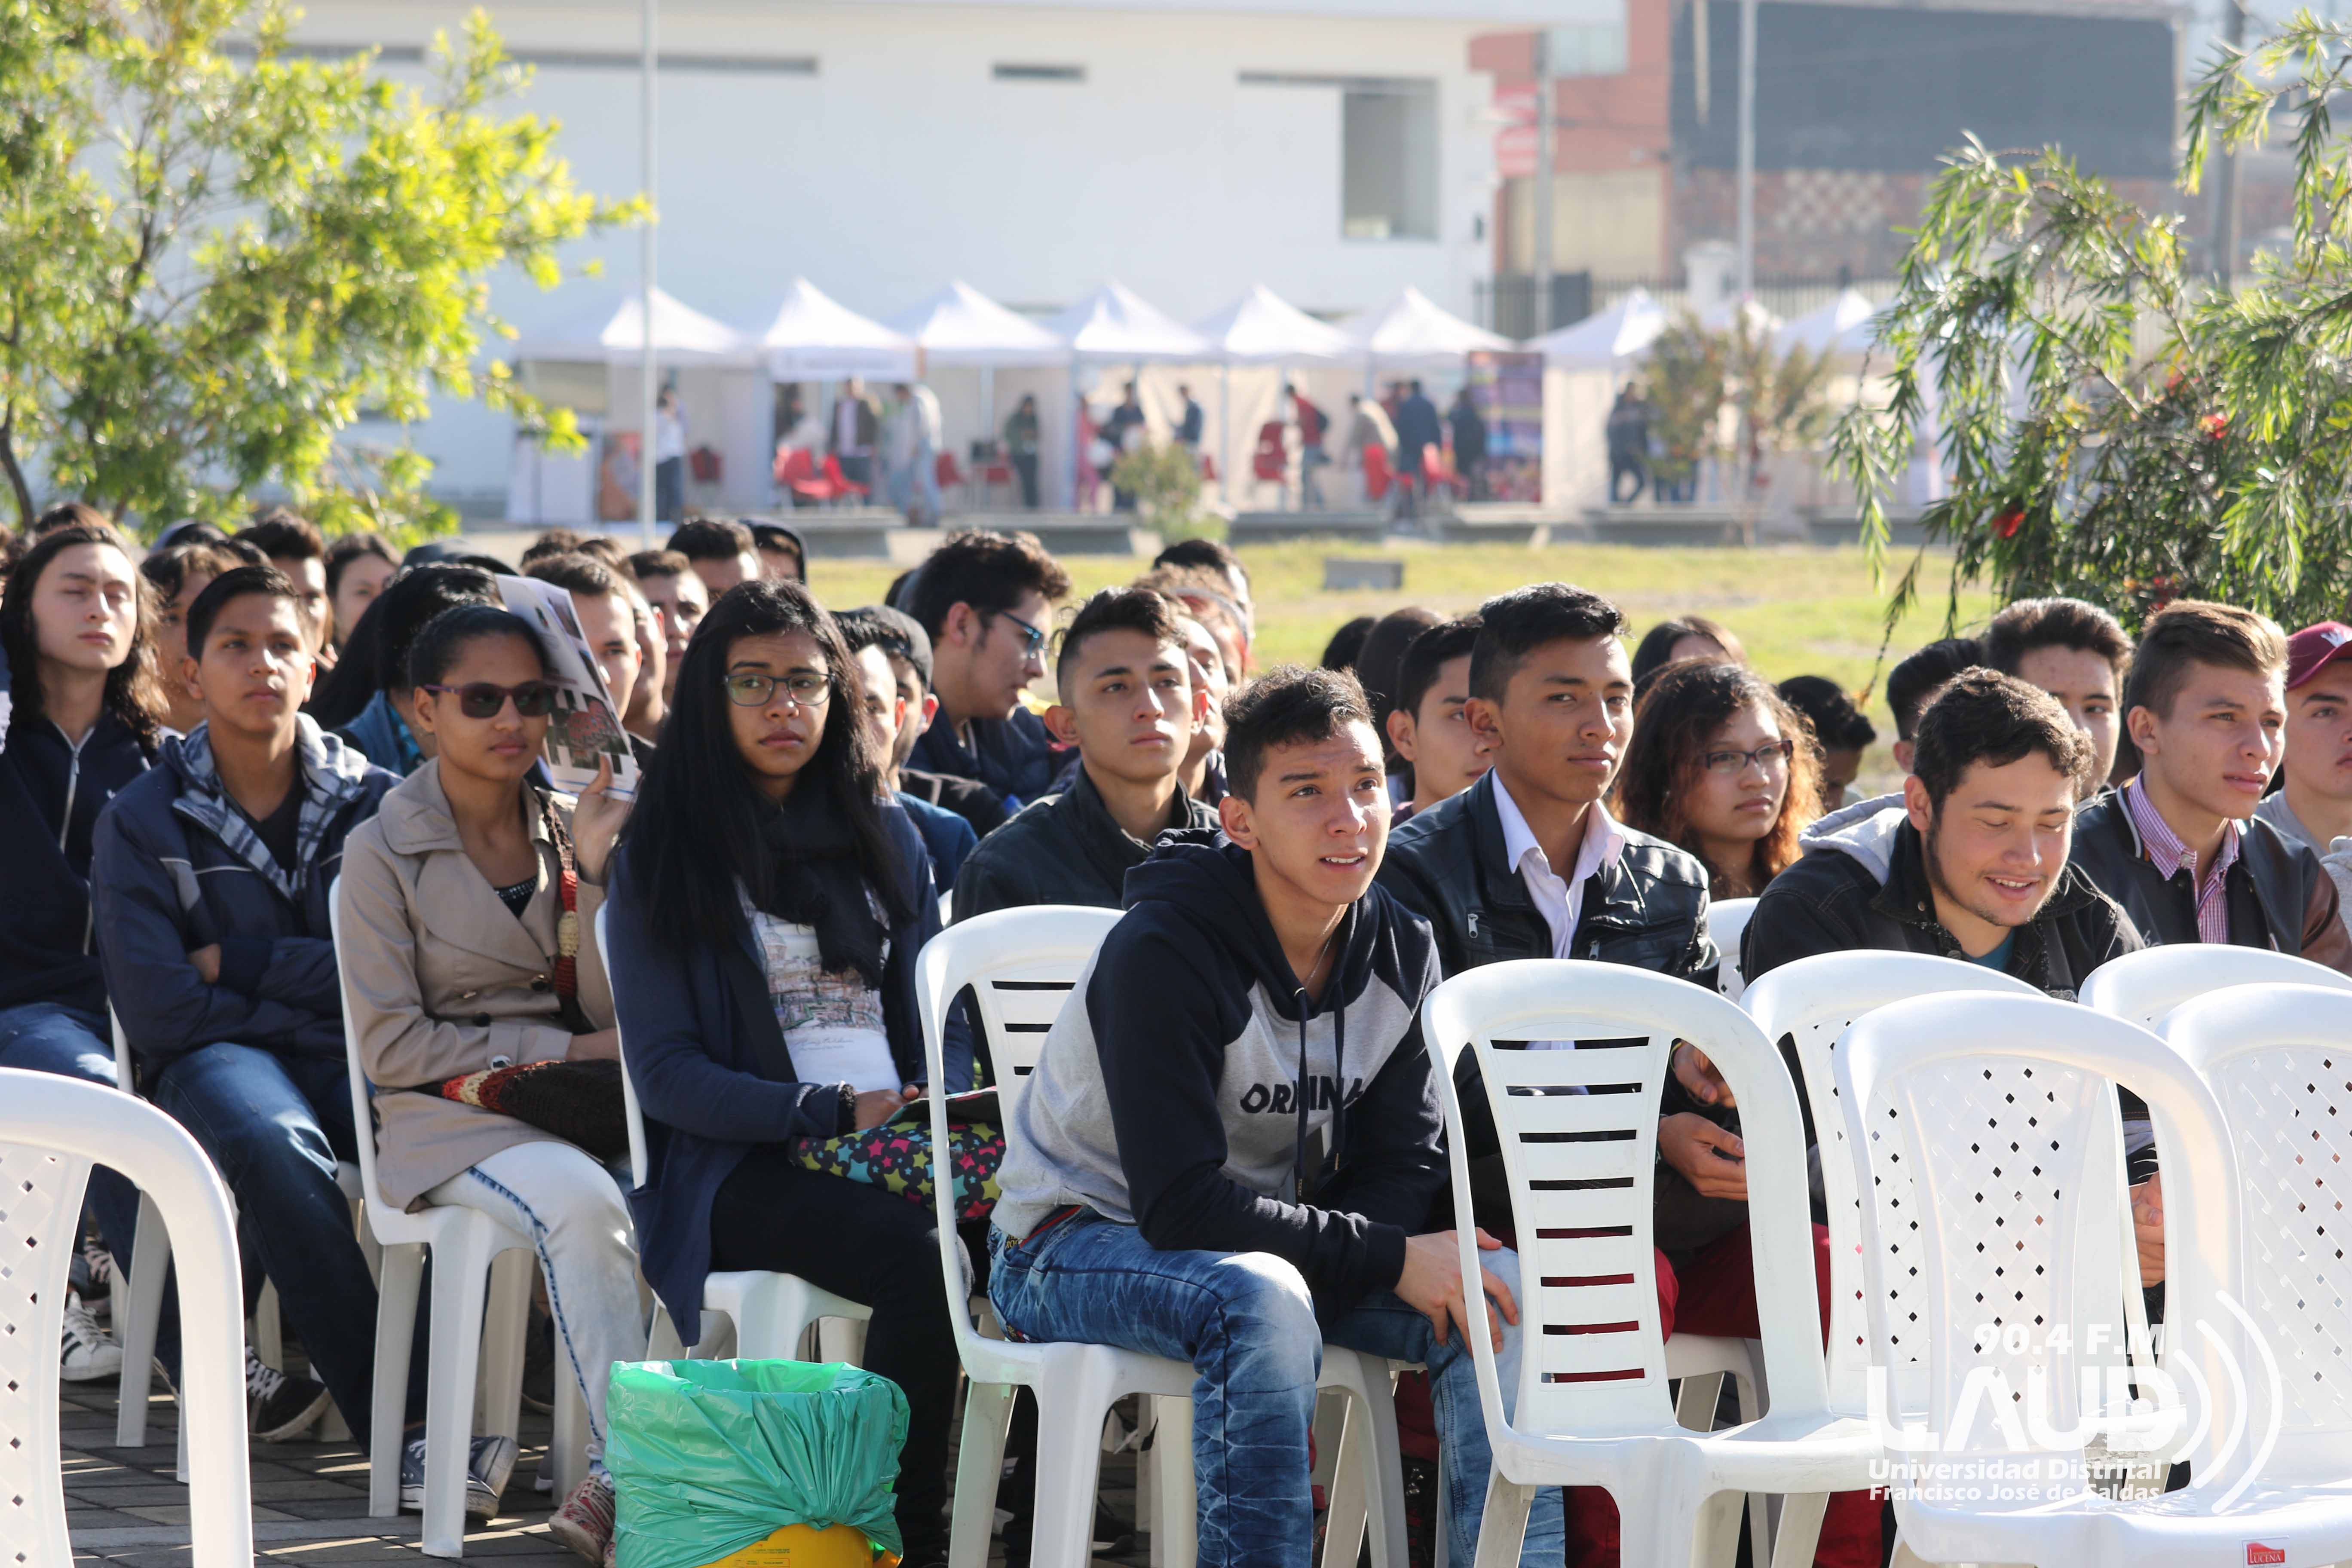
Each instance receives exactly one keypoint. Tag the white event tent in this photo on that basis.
(960, 329)
(1266, 336)
(1116, 326)
(816, 338)
(591, 361)
(1585, 365)
(1411, 333)
(1840, 328)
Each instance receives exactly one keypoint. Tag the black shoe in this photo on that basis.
(538, 1365)
(280, 1405)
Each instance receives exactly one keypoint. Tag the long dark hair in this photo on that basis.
(375, 655)
(699, 823)
(135, 694)
(1691, 701)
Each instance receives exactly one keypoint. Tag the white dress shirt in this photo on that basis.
(1562, 903)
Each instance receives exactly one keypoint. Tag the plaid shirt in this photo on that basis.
(2168, 855)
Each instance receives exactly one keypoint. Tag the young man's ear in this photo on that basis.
(930, 710)
(1200, 707)
(309, 680)
(1903, 757)
(1401, 733)
(1234, 814)
(1915, 803)
(962, 626)
(2139, 723)
(1062, 724)
(1485, 722)
(189, 665)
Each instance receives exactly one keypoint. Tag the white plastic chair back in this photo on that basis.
(389, 1230)
(2144, 987)
(2279, 1060)
(1725, 920)
(2000, 1109)
(1022, 966)
(52, 1130)
(1578, 1134)
(1812, 1001)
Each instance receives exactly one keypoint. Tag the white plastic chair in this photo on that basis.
(2144, 987)
(139, 1307)
(1812, 1002)
(1592, 1407)
(2276, 1058)
(1725, 920)
(479, 1317)
(2002, 1108)
(772, 1314)
(52, 1130)
(1021, 965)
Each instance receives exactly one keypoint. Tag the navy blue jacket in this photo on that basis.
(177, 867)
(695, 1025)
(51, 792)
(1013, 757)
(947, 836)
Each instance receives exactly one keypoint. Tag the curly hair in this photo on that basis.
(1683, 709)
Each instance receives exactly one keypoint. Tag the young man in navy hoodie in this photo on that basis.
(1227, 1152)
(211, 874)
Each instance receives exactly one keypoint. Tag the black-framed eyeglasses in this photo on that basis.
(750, 688)
(484, 699)
(1033, 639)
(1772, 757)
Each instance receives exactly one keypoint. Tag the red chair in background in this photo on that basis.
(796, 471)
(843, 482)
(1208, 468)
(1377, 474)
(994, 470)
(1437, 471)
(950, 476)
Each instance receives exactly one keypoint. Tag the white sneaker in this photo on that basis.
(90, 1353)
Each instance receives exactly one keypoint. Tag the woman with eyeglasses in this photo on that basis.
(465, 907)
(1722, 765)
(766, 908)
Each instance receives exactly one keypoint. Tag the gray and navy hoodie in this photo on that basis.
(1193, 1091)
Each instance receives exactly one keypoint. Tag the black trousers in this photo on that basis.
(879, 1249)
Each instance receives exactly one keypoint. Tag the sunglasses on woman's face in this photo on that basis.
(483, 698)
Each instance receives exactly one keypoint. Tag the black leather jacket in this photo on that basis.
(1648, 910)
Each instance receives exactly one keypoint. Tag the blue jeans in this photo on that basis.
(48, 1036)
(276, 1126)
(1245, 1322)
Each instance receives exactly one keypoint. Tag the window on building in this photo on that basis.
(1017, 72)
(1388, 156)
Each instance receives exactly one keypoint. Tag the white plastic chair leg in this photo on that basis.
(568, 1443)
(1503, 1529)
(140, 1308)
(461, 1291)
(1069, 1460)
(1798, 1534)
(980, 1467)
(506, 1329)
(841, 1339)
(395, 1330)
(1342, 1436)
(1176, 1498)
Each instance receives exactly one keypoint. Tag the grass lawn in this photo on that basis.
(1801, 610)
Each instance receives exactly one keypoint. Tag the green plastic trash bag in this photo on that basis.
(709, 1456)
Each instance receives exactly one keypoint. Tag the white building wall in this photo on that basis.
(901, 162)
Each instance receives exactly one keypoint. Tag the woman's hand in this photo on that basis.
(596, 823)
(603, 1046)
(875, 1107)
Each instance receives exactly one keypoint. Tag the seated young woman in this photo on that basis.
(766, 910)
(465, 907)
(1722, 765)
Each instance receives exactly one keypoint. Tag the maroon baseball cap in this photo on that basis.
(2313, 648)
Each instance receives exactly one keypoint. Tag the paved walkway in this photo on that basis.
(309, 1500)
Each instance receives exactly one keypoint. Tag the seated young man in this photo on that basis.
(1429, 725)
(608, 619)
(910, 651)
(2314, 806)
(1165, 1193)
(2077, 653)
(679, 600)
(722, 553)
(986, 601)
(211, 874)
(1129, 705)
(871, 635)
(2180, 847)
(294, 545)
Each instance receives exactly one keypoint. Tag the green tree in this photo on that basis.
(1166, 483)
(216, 252)
(2113, 427)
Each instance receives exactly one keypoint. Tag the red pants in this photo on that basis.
(1717, 1296)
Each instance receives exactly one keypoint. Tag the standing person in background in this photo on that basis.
(679, 600)
(1629, 444)
(765, 919)
(2314, 806)
(1469, 442)
(2180, 847)
(721, 551)
(1021, 443)
(295, 546)
(358, 567)
(1839, 734)
(1429, 728)
(1418, 430)
(910, 446)
(2077, 653)
(856, 426)
(1121, 433)
(1187, 433)
(986, 601)
(84, 722)
(177, 573)
(1367, 427)
(1313, 426)
(670, 458)
(1685, 636)
(1721, 765)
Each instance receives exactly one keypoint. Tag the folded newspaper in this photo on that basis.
(586, 728)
